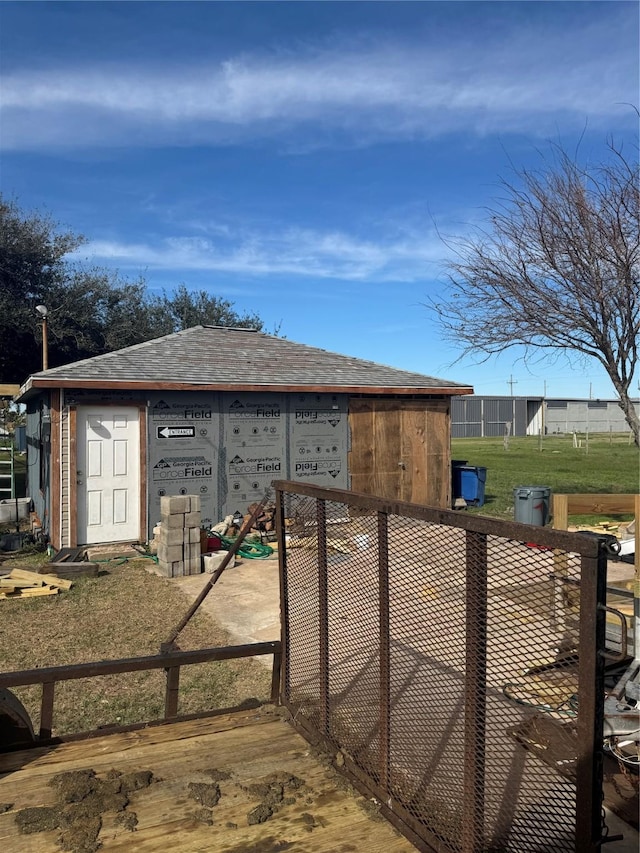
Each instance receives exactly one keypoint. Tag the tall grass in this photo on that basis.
(604, 464)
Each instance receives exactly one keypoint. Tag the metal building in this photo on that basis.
(479, 417)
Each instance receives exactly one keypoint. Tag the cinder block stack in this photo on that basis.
(178, 536)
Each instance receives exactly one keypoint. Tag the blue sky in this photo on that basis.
(301, 159)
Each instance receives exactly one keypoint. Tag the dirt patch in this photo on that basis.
(82, 799)
(38, 819)
(204, 793)
(265, 845)
(5, 807)
(81, 837)
(217, 775)
(260, 814)
(128, 820)
(274, 791)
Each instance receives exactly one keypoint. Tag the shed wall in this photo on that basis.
(39, 455)
(228, 447)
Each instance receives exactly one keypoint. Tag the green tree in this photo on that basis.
(186, 308)
(91, 310)
(556, 269)
(31, 265)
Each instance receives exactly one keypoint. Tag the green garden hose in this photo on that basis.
(249, 550)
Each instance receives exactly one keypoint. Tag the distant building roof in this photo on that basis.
(225, 358)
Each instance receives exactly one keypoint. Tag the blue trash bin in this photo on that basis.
(456, 477)
(472, 483)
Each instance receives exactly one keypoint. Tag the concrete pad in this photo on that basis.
(245, 601)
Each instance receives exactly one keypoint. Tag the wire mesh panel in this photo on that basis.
(451, 661)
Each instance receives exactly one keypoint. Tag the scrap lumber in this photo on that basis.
(38, 579)
(21, 583)
(71, 570)
(27, 592)
(32, 592)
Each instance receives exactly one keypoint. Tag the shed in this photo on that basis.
(220, 412)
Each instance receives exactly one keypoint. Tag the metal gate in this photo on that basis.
(450, 662)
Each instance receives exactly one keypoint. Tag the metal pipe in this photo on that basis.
(246, 527)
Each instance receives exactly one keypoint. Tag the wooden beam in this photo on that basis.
(146, 385)
(72, 473)
(592, 504)
(55, 494)
(9, 390)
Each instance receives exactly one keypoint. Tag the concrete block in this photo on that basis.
(170, 553)
(174, 521)
(212, 562)
(195, 503)
(195, 567)
(192, 551)
(174, 504)
(164, 568)
(194, 534)
(193, 519)
(173, 536)
(177, 569)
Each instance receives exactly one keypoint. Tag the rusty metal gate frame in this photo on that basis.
(475, 529)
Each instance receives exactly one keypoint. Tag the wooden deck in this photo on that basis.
(249, 754)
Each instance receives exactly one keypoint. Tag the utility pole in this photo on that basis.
(511, 382)
(44, 313)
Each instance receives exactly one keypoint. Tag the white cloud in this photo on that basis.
(302, 253)
(521, 82)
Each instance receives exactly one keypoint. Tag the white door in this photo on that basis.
(108, 474)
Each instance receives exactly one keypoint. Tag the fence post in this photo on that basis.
(46, 709)
(385, 650)
(171, 693)
(323, 599)
(590, 724)
(285, 680)
(475, 693)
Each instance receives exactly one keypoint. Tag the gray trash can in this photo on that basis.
(531, 504)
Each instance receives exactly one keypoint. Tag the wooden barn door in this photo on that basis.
(400, 449)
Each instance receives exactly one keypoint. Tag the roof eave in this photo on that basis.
(44, 383)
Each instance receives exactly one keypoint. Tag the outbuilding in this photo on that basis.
(220, 412)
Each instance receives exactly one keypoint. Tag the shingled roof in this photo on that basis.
(225, 358)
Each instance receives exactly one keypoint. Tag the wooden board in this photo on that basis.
(400, 449)
(323, 815)
(37, 579)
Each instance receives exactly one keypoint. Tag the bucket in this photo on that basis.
(14, 509)
(213, 543)
(531, 504)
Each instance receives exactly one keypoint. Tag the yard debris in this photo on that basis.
(20, 583)
(82, 799)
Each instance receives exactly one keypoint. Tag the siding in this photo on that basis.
(65, 517)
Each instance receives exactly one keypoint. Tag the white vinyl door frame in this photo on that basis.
(106, 473)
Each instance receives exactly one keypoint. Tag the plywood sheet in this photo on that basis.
(318, 812)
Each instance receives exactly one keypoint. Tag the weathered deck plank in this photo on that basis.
(325, 817)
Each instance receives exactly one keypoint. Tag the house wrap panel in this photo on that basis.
(184, 438)
(253, 449)
(318, 439)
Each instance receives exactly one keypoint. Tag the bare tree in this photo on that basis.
(556, 268)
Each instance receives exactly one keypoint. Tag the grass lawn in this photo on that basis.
(606, 466)
(125, 612)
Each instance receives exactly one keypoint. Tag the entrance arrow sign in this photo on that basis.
(176, 432)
